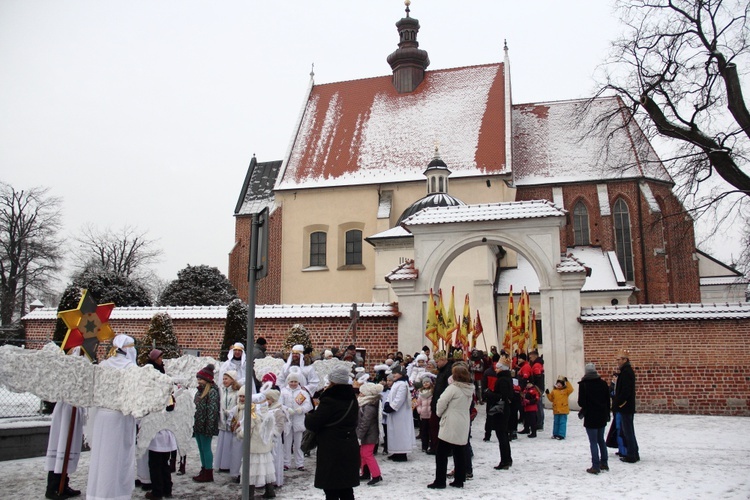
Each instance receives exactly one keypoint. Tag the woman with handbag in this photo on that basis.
(500, 399)
(334, 421)
(453, 436)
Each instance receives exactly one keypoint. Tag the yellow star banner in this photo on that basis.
(87, 324)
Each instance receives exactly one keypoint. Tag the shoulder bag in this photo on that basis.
(310, 438)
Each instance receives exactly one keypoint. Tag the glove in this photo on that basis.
(546, 391)
(298, 411)
(387, 408)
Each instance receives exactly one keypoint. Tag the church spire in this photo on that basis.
(408, 62)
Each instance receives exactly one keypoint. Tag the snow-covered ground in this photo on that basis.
(681, 457)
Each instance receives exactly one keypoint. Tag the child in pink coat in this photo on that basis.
(424, 400)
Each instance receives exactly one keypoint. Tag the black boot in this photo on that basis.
(270, 492)
(70, 492)
(365, 474)
(53, 485)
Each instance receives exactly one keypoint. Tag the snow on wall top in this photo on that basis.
(559, 142)
(724, 280)
(363, 131)
(603, 277)
(220, 312)
(661, 312)
(485, 212)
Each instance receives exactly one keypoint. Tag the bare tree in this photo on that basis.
(30, 251)
(677, 70)
(677, 65)
(127, 251)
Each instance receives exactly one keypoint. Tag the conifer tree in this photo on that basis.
(235, 328)
(297, 335)
(160, 333)
(69, 300)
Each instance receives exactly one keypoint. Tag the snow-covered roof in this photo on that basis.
(363, 131)
(569, 264)
(405, 271)
(603, 277)
(485, 212)
(394, 232)
(257, 189)
(661, 312)
(724, 280)
(220, 312)
(559, 142)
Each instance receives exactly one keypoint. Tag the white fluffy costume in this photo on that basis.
(112, 469)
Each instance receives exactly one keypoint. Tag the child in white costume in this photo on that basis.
(234, 424)
(281, 420)
(226, 447)
(298, 402)
(262, 424)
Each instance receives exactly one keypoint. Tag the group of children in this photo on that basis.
(276, 429)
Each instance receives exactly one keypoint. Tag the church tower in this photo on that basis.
(408, 62)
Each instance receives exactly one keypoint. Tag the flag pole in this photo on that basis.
(68, 444)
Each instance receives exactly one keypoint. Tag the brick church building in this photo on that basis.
(369, 153)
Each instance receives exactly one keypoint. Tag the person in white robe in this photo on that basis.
(235, 361)
(281, 419)
(298, 402)
(400, 419)
(297, 359)
(112, 459)
(58, 439)
(226, 446)
(59, 431)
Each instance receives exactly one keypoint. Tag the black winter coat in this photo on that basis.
(441, 384)
(624, 401)
(503, 389)
(337, 464)
(593, 398)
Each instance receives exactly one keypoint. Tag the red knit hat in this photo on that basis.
(270, 376)
(207, 374)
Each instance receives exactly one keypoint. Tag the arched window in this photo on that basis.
(432, 185)
(353, 247)
(318, 249)
(440, 183)
(623, 245)
(581, 225)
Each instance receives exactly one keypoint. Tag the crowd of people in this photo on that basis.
(430, 399)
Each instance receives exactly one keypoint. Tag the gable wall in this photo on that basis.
(660, 278)
(269, 288)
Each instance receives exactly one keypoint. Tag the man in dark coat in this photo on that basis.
(488, 383)
(502, 393)
(593, 398)
(624, 402)
(445, 365)
(335, 422)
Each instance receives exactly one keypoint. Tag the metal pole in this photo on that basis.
(249, 360)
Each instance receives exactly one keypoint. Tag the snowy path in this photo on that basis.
(681, 457)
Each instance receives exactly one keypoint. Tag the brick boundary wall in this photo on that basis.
(378, 335)
(682, 367)
(685, 367)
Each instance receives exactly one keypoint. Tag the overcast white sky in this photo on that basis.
(147, 113)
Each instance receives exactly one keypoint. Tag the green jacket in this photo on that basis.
(207, 412)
